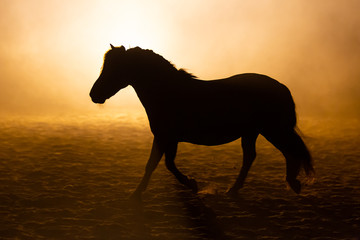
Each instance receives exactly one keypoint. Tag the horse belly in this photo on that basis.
(209, 140)
(210, 134)
(213, 124)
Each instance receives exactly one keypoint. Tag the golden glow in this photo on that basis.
(52, 51)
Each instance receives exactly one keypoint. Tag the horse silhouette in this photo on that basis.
(182, 108)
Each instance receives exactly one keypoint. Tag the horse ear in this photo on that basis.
(112, 47)
(122, 48)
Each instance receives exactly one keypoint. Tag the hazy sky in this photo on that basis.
(52, 51)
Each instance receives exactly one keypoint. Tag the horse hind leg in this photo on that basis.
(293, 166)
(298, 157)
(249, 155)
(295, 152)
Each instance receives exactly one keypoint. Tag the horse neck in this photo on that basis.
(155, 90)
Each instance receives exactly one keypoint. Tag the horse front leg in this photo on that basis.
(249, 154)
(170, 154)
(155, 157)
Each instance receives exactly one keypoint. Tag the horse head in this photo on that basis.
(112, 77)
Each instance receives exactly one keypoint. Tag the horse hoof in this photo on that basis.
(192, 184)
(135, 197)
(232, 193)
(295, 185)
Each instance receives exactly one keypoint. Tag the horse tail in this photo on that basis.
(291, 111)
(302, 150)
(305, 156)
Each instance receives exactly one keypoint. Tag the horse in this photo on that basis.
(182, 108)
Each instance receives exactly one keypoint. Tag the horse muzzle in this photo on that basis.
(95, 97)
(98, 100)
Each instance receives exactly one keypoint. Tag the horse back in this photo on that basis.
(243, 96)
(219, 111)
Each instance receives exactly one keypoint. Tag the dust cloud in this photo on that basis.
(67, 170)
(51, 52)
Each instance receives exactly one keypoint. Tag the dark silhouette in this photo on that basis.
(182, 108)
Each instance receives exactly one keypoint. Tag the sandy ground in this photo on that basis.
(70, 178)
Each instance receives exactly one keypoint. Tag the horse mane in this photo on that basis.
(186, 73)
(157, 61)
